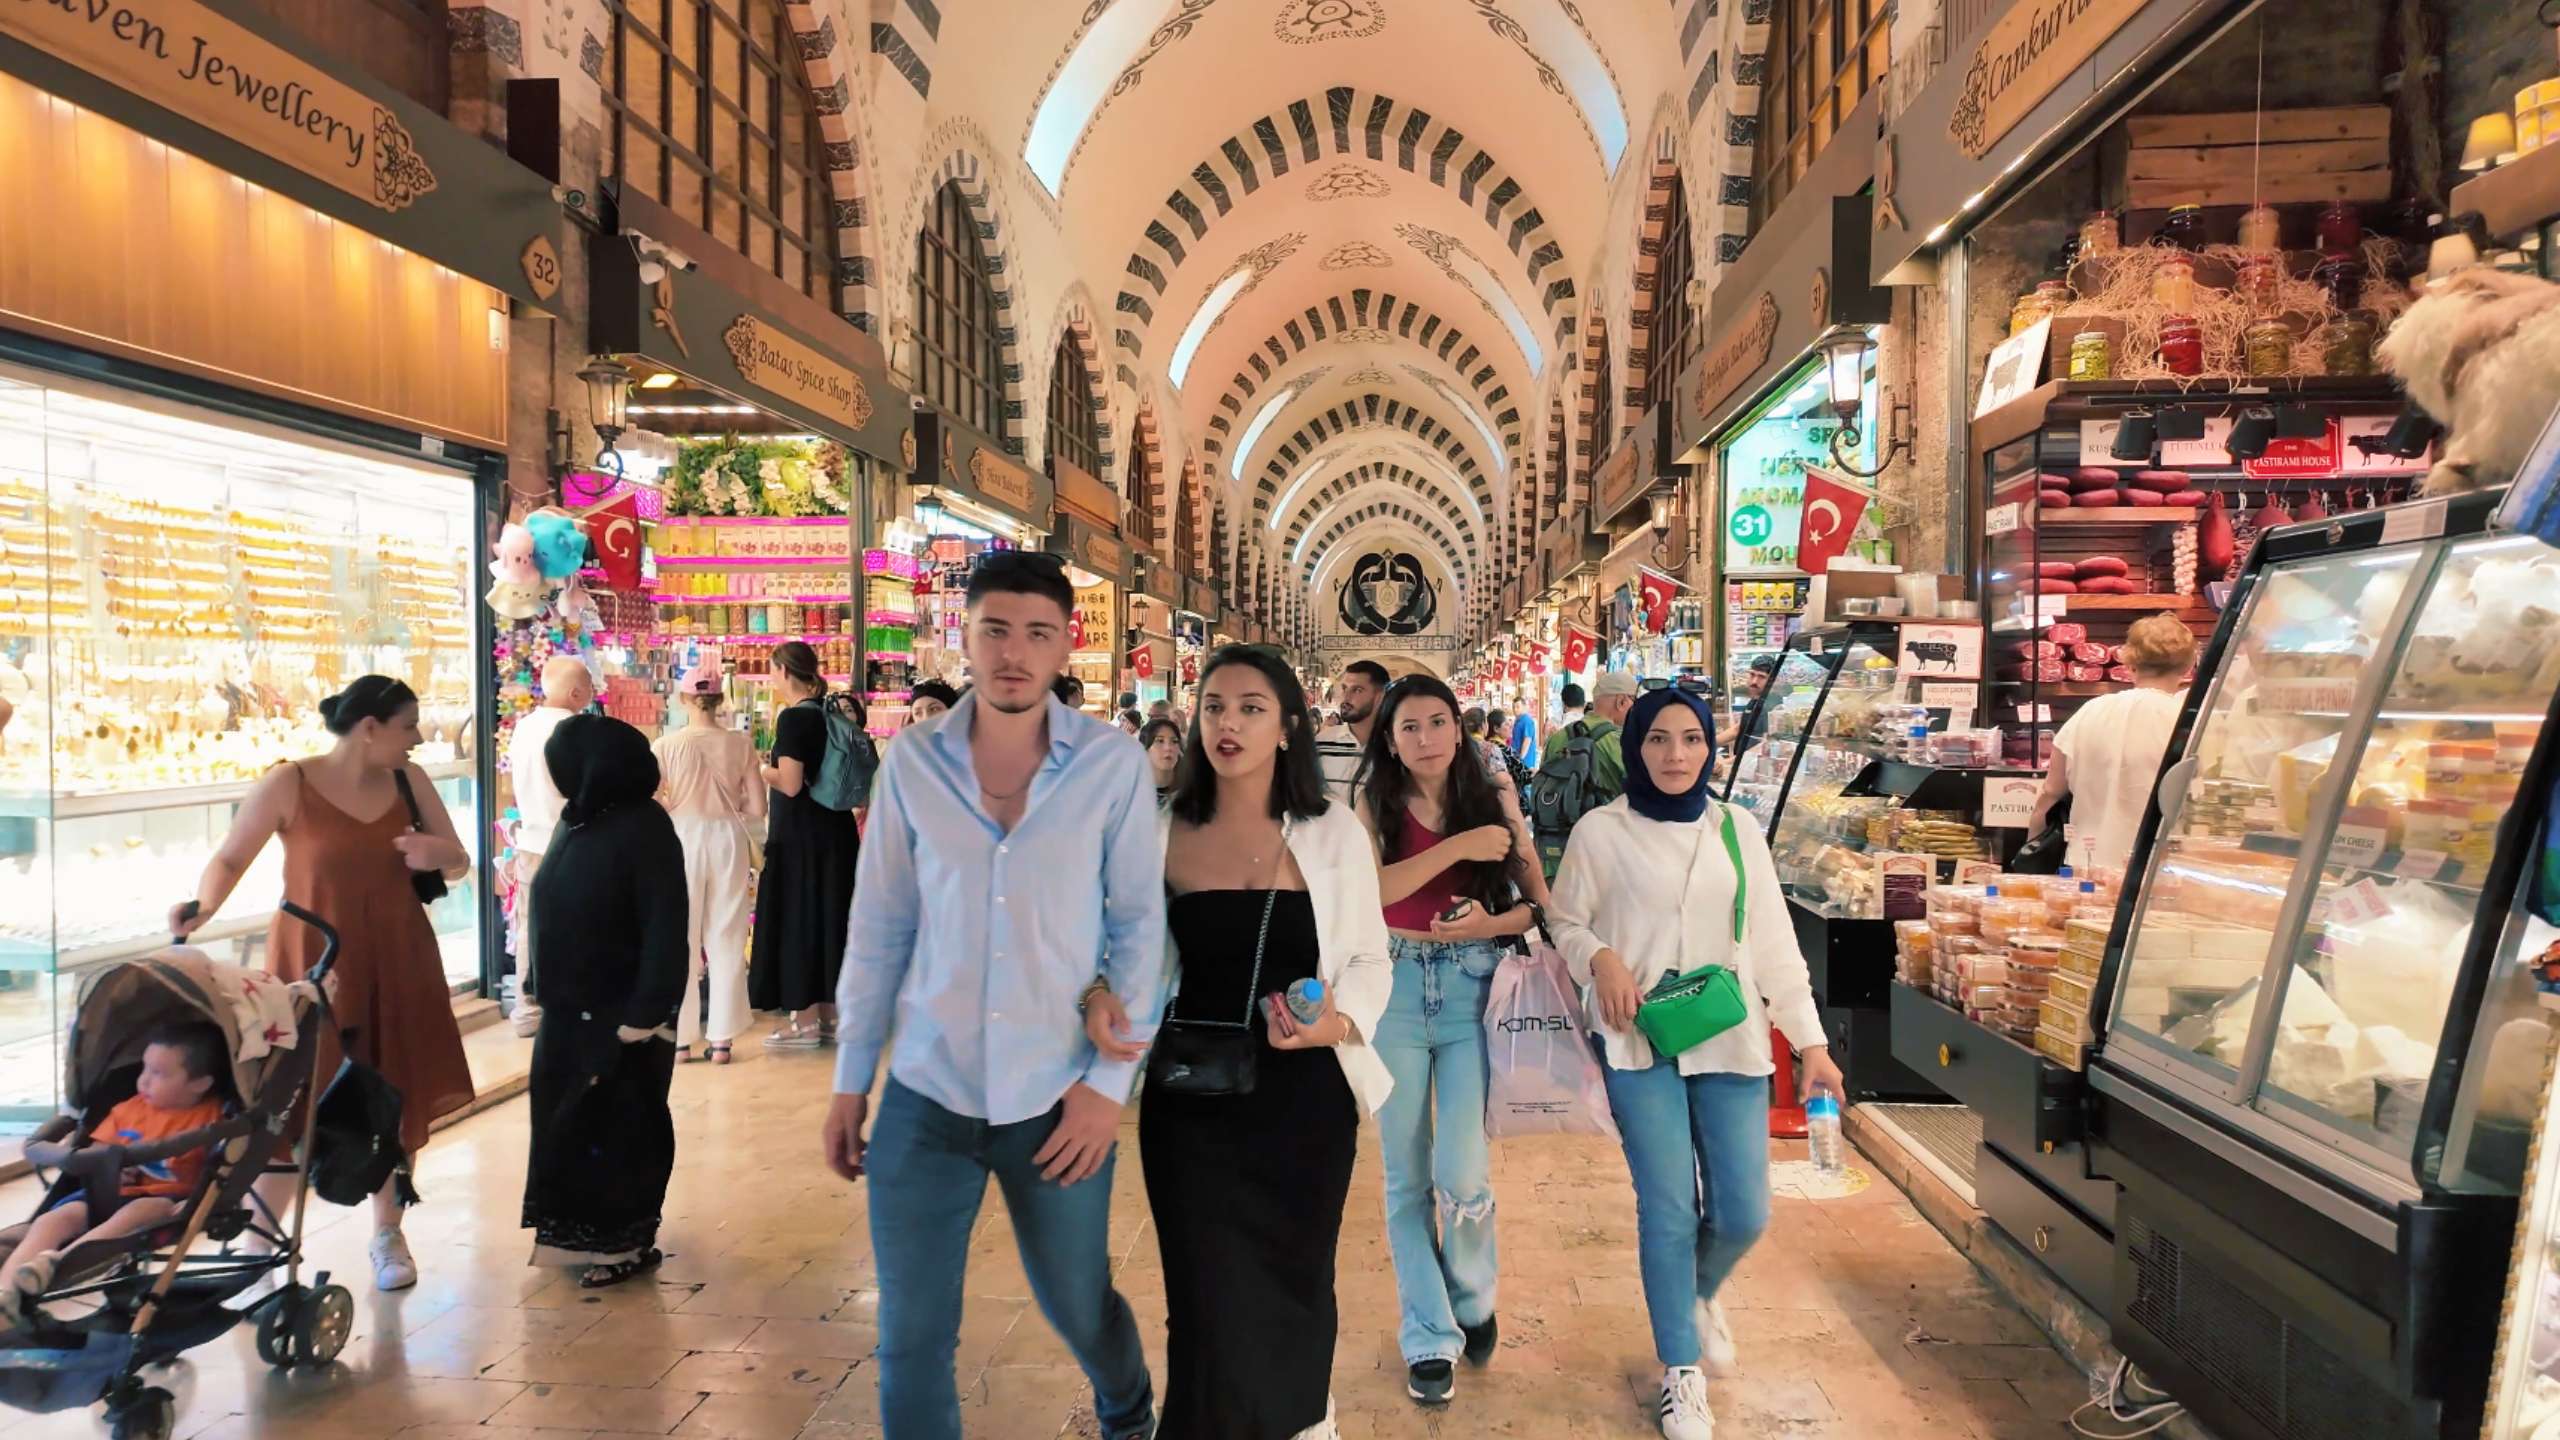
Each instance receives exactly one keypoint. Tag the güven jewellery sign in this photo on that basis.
(2022, 58)
(181, 55)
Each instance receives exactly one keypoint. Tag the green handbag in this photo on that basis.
(1684, 1011)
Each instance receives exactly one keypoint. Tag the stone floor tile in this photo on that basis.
(679, 1331)
(735, 1416)
(599, 1407)
(825, 1339)
(636, 1366)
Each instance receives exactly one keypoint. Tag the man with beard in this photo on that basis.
(1356, 693)
(1012, 856)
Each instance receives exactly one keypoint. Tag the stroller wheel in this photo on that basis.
(149, 1414)
(327, 1318)
(276, 1326)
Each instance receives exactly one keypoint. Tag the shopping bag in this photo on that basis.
(1545, 1080)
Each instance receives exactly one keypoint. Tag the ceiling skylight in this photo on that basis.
(1198, 330)
(1081, 85)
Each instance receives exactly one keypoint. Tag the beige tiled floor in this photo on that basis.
(1854, 1317)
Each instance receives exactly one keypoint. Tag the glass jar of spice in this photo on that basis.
(2341, 230)
(2092, 356)
(2183, 230)
(2257, 283)
(2349, 347)
(2182, 345)
(2259, 229)
(2173, 283)
(2101, 233)
(2267, 348)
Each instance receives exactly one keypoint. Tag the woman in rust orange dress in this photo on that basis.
(349, 852)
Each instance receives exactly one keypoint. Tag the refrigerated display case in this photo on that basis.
(2319, 1002)
(1853, 786)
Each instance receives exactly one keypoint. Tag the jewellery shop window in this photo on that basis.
(178, 593)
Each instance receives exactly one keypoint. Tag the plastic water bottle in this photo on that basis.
(1822, 1133)
(1305, 1000)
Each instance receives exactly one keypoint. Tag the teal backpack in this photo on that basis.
(844, 775)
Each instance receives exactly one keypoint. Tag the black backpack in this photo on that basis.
(1566, 788)
(355, 1136)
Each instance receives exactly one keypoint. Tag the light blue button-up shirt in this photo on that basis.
(977, 941)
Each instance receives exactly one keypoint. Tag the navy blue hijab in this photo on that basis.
(1643, 796)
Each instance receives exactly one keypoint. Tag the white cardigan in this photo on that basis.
(1340, 864)
(1624, 886)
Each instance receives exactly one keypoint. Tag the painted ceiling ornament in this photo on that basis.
(1305, 22)
(1369, 378)
(1363, 335)
(400, 176)
(1348, 182)
(1387, 592)
(1356, 255)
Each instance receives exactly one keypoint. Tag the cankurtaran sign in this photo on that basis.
(2022, 58)
(181, 55)
(771, 360)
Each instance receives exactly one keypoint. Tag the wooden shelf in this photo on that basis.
(2129, 602)
(2516, 196)
(2122, 515)
(2067, 689)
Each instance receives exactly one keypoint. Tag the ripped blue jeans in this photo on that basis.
(1439, 1165)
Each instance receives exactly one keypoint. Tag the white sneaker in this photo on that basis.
(527, 1019)
(1716, 1352)
(393, 1267)
(1685, 1415)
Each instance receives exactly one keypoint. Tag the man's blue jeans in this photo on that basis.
(1698, 1150)
(928, 1172)
(1438, 1162)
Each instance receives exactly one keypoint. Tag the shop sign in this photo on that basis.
(780, 364)
(1943, 651)
(2296, 459)
(2353, 461)
(2022, 58)
(2009, 801)
(2016, 367)
(1764, 490)
(1621, 478)
(1100, 554)
(1002, 481)
(1738, 354)
(182, 56)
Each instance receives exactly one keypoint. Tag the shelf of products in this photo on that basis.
(1761, 616)
(888, 637)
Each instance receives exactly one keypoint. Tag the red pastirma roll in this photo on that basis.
(2089, 652)
(2084, 674)
(2058, 569)
(2109, 585)
(2133, 496)
(2192, 499)
(2094, 499)
(2057, 587)
(2053, 499)
(2066, 632)
(2159, 480)
(2094, 477)
(2035, 650)
(2100, 565)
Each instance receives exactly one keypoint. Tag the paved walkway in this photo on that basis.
(1854, 1317)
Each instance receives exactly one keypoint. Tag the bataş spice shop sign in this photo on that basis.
(2022, 58)
(184, 57)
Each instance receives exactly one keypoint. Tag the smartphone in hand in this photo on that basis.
(1457, 912)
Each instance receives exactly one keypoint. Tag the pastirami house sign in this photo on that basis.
(2022, 58)
(180, 55)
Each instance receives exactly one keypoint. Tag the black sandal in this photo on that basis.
(600, 1276)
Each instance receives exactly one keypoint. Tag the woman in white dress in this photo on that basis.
(709, 787)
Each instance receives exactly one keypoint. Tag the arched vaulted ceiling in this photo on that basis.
(1343, 243)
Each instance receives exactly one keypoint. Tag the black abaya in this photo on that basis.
(609, 909)
(805, 894)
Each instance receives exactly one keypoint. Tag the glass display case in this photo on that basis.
(179, 591)
(1841, 772)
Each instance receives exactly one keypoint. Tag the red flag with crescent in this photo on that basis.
(1832, 507)
(1579, 646)
(1143, 661)
(1538, 657)
(614, 530)
(1653, 595)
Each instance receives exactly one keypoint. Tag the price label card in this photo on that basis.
(2421, 864)
(2035, 714)
(2358, 904)
(2001, 519)
(1942, 696)
(1960, 717)
(2418, 520)
(2007, 801)
(2359, 845)
(2052, 607)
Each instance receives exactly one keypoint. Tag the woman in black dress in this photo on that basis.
(1248, 1188)
(806, 890)
(610, 904)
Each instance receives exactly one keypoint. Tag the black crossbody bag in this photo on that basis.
(427, 885)
(1217, 1057)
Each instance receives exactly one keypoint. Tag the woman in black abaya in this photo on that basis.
(610, 907)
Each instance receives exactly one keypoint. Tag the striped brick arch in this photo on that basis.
(1418, 484)
(834, 95)
(964, 170)
(1596, 419)
(1362, 309)
(1143, 494)
(1340, 121)
(1662, 192)
(1344, 526)
(906, 35)
(1556, 462)
(1370, 409)
(1724, 51)
(1075, 327)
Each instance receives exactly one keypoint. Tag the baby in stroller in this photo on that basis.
(178, 1091)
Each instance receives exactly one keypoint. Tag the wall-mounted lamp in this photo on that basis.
(2136, 435)
(1847, 355)
(608, 383)
(2251, 433)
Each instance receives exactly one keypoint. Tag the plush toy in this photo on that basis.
(515, 601)
(2480, 351)
(559, 546)
(511, 561)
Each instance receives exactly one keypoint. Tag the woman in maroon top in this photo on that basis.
(1451, 872)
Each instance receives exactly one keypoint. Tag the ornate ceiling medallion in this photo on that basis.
(1348, 182)
(1363, 335)
(1369, 378)
(1356, 255)
(1304, 22)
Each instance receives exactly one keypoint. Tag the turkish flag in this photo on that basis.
(1143, 661)
(1511, 670)
(1579, 646)
(1538, 656)
(1075, 630)
(1653, 592)
(1832, 506)
(614, 531)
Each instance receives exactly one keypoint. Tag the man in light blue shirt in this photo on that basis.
(1012, 854)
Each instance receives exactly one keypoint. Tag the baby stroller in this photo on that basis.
(144, 1299)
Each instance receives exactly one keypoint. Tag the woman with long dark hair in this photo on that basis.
(352, 853)
(1269, 885)
(806, 891)
(1451, 869)
(613, 913)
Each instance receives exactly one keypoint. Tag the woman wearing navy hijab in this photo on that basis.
(1659, 882)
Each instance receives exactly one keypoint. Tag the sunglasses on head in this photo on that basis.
(1691, 683)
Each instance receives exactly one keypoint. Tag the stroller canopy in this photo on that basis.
(120, 1005)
